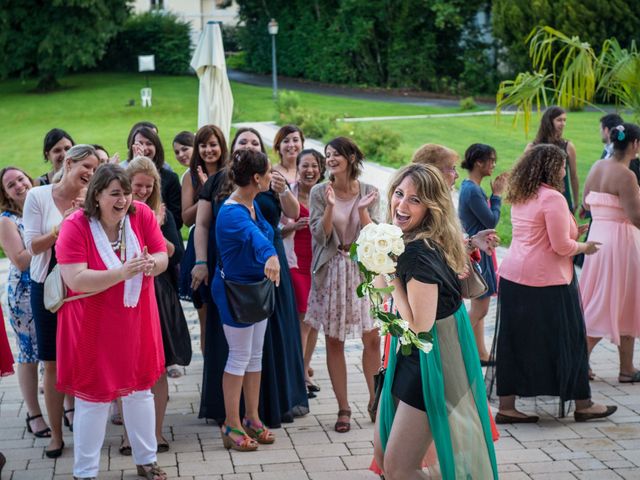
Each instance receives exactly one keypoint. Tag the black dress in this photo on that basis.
(176, 338)
(282, 388)
(171, 193)
(428, 265)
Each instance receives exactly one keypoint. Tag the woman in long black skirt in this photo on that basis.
(541, 342)
(283, 393)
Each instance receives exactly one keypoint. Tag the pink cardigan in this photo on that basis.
(544, 241)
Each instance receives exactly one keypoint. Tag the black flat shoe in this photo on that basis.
(44, 433)
(502, 419)
(312, 386)
(3, 460)
(65, 419)
(586, 416)
(54, 453)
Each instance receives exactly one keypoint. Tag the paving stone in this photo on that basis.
(324, 464)
(262, 457)
(329, 450)
(598, 475)
(203, 468)
(522, 455)
(547, 467)
(288, 475)
(346, 475)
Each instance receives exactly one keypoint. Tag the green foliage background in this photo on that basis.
(413, 43)
(46, 39)
(151, 33)
(592, 20)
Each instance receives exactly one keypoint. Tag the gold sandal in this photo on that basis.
(258, 432)
(243, 444)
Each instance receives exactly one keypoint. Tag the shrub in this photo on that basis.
(467, 103)
(379, 144)
(237, 61)
(152, 33)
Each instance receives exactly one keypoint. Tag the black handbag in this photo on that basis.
(250, 302)
(378, 383)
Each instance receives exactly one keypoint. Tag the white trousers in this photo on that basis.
(90, 424)
(245, 348)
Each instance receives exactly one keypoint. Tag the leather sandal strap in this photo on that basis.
(344, 413)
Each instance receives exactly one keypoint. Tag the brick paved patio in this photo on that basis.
(310, 449)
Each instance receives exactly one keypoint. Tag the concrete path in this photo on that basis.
(309, 448)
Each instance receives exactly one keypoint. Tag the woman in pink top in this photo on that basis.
(110, 343)
(541, 340)
(609, 284)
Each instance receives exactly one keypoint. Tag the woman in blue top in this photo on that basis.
(245, 245)
(477, 213)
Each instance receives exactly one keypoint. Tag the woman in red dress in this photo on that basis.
(6, 366)
(297, 241)
(110, 343)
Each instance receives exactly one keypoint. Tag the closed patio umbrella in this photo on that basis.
(215, 101)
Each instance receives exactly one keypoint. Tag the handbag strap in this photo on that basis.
(82, 295)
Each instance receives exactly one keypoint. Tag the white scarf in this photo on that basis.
(133, 286)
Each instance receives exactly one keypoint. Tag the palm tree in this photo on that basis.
(577, 75)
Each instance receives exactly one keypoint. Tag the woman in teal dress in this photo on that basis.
(437, 397)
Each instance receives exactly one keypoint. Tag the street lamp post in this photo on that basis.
(273, 31)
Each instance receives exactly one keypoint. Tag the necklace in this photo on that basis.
(119, 245)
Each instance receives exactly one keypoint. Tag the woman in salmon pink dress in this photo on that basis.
(110, 343)
(609, 285)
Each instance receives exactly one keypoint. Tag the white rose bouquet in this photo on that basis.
(376, 251)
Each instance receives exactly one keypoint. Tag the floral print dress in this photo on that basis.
(19, 300)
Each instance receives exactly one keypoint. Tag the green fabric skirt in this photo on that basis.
(455, 401)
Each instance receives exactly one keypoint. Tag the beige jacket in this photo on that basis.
(325, 247)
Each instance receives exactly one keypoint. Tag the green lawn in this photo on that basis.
(93, 108)
(509, 142)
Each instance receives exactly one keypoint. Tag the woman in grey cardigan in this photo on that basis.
(339, 209)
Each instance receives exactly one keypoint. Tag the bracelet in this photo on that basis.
(469, 243)
(55, 231)
(200, 262)
(389, 277)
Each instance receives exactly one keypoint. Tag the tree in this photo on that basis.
(568, 70)
(386, 43)
(593, 20)
(46, 39)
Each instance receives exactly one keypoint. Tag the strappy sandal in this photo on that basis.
(629, 378)
(44, 433)
(258, 432)
(67, 423)
(243, 444)
(341, 426)
(163, 446)
(124, 449)
(372, 413)
(151, 471)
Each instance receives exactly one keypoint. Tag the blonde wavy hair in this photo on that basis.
(440, 224)
(540, 164)
(146, 166)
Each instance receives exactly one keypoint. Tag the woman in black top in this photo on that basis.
(145, 142)
(56, 144)
(283, 393)
(437, 397)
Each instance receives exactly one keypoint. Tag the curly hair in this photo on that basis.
(440, 224)
(540, 164)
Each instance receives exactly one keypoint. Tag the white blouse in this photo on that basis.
(40, 215)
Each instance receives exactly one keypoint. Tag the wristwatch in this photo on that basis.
(389, 277)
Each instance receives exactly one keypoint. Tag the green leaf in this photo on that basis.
(386, 316)
(406, 349)
(383, 291)
(353, 252)
(395, 330)
(425, 337)
(361, 291)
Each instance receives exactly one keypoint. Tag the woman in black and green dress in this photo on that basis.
(436, 397)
